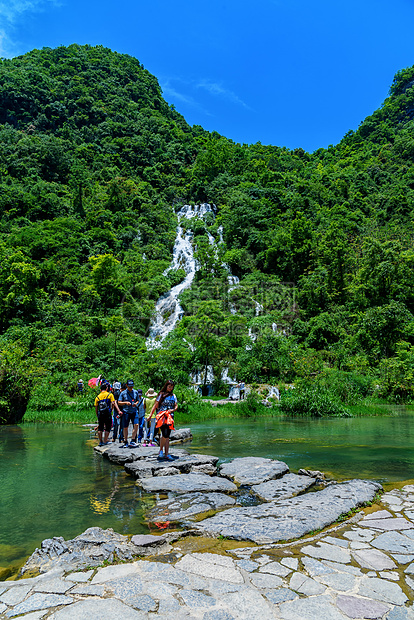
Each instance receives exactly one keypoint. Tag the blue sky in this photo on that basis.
(291, 73)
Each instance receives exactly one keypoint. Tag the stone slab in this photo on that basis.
(39, 601)
(106, 609)
(265, 581)
(394, 542)
(14, 596)
(80, 577)
(188, 483)
(378, 514)
(210, 567)
(305, 585)
(274, 568)
(281, 595)
(188, 506)
(382, 590)
(252, 470)
(396, 524)
(289, 485)
(340, 582)
(324, 551)
(373, 559)
(88, 590)
(317, 607)
(361, 608)
(290, 518)
(149, 467)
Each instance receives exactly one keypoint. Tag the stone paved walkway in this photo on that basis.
(362, 569)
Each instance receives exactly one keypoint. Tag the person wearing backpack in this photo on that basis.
(117, 419)
(131, 402)
(104, 404)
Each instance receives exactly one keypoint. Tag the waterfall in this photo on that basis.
(168, 310)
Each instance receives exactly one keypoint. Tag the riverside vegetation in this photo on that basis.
(94, 167)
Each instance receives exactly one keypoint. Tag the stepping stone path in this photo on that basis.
(321, 578)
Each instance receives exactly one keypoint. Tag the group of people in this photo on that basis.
(117, 406)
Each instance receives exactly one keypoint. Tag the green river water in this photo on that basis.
(52, 483)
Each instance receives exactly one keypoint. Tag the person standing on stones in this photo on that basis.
(149, 427)
(166, 405)
(128, 401)
(104, 404)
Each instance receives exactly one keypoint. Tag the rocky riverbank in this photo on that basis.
(360, 569)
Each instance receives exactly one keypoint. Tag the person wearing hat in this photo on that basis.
(80, 386)
(132, 405)
(149, 426)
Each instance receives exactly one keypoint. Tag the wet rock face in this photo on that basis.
(253, 470)
(91, 548)
(187, 484)
(188, 506)
(290, 518)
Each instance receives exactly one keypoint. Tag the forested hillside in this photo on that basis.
(94, 167)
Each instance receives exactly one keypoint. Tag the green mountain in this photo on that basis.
(95, 166)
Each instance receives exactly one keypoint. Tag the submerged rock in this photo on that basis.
(290, 518)
(283, 488)
(253, 470)
(188, 506)
(186, 483)
(91, 548)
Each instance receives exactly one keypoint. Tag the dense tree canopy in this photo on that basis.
(93, 166)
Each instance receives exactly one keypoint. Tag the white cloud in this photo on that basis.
(219, 91)
(11, 12)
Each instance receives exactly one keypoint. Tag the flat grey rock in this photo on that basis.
(218, 614)
(283, 488)
(14, 596)
(281, 595)
(147, 540)
(247, 565)
(106, 609)
(251, 470)
(320, 607)
(382, 590)
(211, 566)
(247, 605)
(315, 567)
(187, 483)
(80, 577)
(394, 542)
(361, 608)
(111, 573)
(149, 467)
(265, 581)
(341, 582)
(120, 455)
(324, 551)
(396, 524)
(305, 585)
(39, 601)
(290, 518)
(378, 514)
(274, 568)
(336, 541)
(53, 586)
(192, 598)
(374, 559)
(188, 506)
(400, 613)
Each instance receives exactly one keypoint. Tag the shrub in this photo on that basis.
(311, 401)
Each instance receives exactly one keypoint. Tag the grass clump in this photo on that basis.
(312, 401)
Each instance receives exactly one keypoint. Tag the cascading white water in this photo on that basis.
(168, 310)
